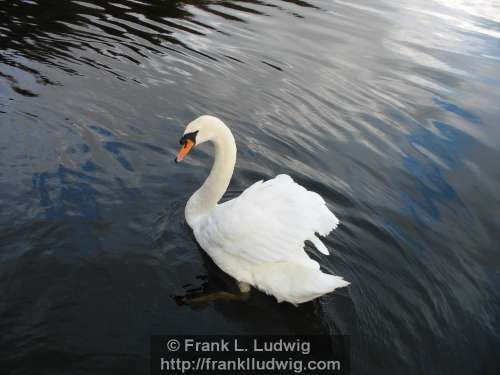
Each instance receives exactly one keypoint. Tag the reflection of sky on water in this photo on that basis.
(429, 177)
(485, 10)
(450, 60)
(457, 110)
(444, 152)
(66, 193)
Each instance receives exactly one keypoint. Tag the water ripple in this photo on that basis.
(388, 110)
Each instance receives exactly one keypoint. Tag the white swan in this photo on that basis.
(258, 237)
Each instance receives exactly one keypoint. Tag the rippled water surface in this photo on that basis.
(388, 109)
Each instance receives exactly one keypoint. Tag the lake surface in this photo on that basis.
(388, 109)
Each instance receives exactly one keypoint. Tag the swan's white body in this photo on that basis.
(258, 237)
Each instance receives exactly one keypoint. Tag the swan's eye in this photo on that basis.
(188, 136)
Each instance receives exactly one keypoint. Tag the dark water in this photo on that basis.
(390, 110)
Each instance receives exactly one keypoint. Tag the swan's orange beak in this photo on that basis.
(186, 147)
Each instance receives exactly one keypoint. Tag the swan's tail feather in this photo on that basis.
(318, 244)
(296, 283)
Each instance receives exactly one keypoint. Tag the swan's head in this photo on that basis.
(204, 128)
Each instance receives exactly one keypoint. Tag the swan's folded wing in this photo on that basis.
(270, 221)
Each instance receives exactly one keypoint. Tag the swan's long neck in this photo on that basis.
(214, 187)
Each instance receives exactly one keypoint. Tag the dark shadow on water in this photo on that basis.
(257, 313)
